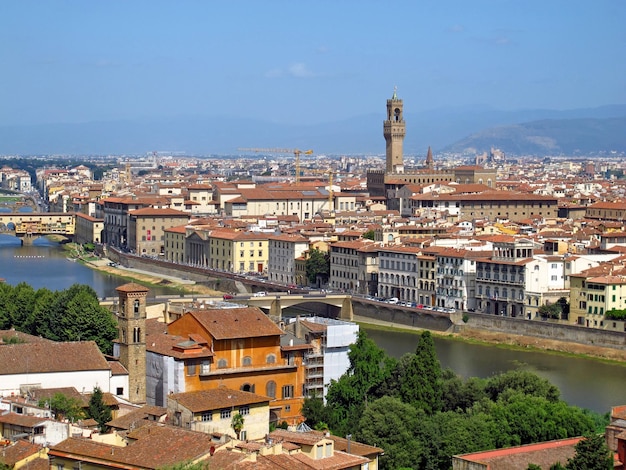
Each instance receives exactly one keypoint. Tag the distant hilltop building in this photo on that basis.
(387, 182)
(495, 156)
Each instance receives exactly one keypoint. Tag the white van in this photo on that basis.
(392, 300)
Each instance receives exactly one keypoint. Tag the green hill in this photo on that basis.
(549, 137)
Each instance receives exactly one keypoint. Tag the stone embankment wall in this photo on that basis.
(543, 329)
(454, 323)
(401, 315)
(222, 283)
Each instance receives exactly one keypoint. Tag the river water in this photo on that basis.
(45, 264)
(583, 382)
(586, 383)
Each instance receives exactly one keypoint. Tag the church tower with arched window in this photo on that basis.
(394, 130)
(131, 320)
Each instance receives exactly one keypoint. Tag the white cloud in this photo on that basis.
(296, 70)
(299, 70)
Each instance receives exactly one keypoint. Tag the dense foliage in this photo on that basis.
(422, 415)
(317, 265)
(98, 410)
(73, 314)
(592, 453)
(615, 314)
(558, 310)
(64, 407)
(369, 235)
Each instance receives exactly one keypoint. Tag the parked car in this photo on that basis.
(227, 296)
(392, 300)
(260, 294)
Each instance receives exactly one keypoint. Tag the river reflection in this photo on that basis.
(586, 383)
(45, 264)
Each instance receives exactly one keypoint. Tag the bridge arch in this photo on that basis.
(275, 304)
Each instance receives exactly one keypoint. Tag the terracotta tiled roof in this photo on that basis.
(25, 421)
(132, 287)
(234, 323)
(338, 461)
(217, 398)
(314, 327)
(138, 417)
(178, 229)
(117, 368)
(151, 446)
(357, 448)
(151, 212)
(7, 335)
(51, 356)
(302, 438)
(354, 244)
(543, 454)
(36, 464)
(16, 451)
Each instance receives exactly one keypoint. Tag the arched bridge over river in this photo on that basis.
(27, 226)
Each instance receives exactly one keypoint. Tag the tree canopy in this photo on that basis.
(317, 264)
(592, 453)
(421, 415)
(98, 410)
(64, 407)
(73, 314)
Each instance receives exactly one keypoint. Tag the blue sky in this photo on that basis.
(304, 61)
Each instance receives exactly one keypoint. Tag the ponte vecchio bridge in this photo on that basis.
(27, 226)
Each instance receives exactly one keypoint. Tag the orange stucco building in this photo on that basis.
(238, 348)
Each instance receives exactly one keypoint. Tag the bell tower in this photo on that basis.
(131, 320)
(394, 130)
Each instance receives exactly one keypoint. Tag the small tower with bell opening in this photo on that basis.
(394, 130)
(131, 320)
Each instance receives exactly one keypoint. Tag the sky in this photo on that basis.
(303, 62)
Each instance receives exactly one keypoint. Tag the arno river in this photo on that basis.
(583, 382)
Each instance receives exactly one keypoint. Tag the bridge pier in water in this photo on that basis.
(25, 239)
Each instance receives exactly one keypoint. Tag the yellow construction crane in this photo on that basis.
(296, 154)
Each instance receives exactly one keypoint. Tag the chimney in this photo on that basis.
(298, 328)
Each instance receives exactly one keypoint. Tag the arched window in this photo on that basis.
(222, 363)
(247, 361)
(247, 388)
(136, 307)
(137, 335)
(270, 389)
(271, 359)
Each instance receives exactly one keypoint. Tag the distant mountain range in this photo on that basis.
(468, 129)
